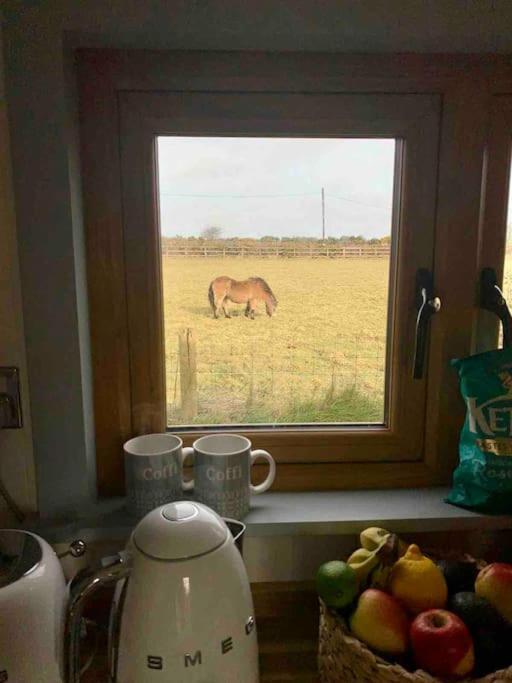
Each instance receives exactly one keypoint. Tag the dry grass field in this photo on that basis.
(320, 358)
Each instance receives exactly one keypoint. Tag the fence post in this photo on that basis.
(188, 373)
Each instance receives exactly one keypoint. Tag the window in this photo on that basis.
(277, 209)
(507, 266)
(175, 149)
(147, 117)
(507, 273)
(505, 118)
(497, 246)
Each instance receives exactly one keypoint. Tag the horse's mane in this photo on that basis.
(265, 288)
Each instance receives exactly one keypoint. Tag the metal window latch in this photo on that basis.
(10, 401)
(492, 299)
(427, 304)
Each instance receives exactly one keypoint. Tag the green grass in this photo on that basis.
(351, 404)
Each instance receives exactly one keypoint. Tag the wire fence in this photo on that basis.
(341, 382)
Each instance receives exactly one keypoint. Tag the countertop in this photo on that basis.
(305, 514)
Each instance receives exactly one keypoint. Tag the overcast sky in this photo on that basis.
(251, 187)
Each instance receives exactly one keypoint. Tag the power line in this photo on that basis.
(274, 196)
(355, 201)
(239, 196)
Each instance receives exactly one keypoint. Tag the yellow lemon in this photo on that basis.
(417, 582)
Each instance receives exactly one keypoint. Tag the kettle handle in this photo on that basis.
(85, 584)
(237, 530)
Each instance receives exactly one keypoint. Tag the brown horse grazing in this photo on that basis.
(224, 289)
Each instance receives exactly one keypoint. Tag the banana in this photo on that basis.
(374, 561)
(363, 562)
(388, 553)
(359, 557)
(372, 537)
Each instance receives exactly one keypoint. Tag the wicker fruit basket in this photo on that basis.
(342, 658)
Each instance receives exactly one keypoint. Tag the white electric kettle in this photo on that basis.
(182, 611)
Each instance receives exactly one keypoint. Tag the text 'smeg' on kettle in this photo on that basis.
(182, 610)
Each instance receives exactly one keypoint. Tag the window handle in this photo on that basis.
(427, 304)
(492, 299)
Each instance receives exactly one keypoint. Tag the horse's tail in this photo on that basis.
(211, 296)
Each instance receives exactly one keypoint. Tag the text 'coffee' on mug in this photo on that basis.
(222, 473)
(154, 471)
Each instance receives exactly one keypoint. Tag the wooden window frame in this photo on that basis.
(126, 325)
(412, 119)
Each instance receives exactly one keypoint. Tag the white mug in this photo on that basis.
(154, 471)
(222, 473)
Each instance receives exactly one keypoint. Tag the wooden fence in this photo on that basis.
(280, 251)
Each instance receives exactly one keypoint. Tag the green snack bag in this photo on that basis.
(483, 479)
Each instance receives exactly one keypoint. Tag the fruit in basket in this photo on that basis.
(489, 630)
(494, 583)
(373, 567)
(388, 553)
(442, 644)
(363, 562)
(336, 583)
(460, 575)
(477, 612)
(417, 582)
(373, 537)
(381, 622)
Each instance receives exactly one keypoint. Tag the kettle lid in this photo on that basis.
(178, 531)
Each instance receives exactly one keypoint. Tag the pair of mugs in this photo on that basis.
(222, 472)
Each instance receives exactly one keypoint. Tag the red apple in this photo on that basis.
(442, 644)
(494, 583)
(381, 622)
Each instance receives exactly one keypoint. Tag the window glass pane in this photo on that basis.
(507, 273)
(295, 235)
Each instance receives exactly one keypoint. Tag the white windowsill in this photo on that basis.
(307, 514)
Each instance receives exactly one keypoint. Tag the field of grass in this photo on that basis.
(320, 358)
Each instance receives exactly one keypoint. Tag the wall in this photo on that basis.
(329, 25)
(46, 162)
(47, 187)
(16, 457)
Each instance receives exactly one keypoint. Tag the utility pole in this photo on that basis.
(323, 214)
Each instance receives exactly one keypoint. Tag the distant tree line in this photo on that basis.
(214, 234)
